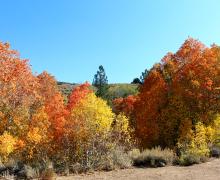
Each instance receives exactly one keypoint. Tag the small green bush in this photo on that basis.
(155, 157)
(190, 159)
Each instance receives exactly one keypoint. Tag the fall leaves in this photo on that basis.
(36, 124)
(180, 89)
(177, 106)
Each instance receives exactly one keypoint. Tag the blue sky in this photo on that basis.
(71, 38)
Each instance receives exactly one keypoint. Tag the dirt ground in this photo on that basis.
(207, 171)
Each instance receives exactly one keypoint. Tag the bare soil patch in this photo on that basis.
(207, 171)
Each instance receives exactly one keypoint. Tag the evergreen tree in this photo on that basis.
(100, 81)
(144, 75)
(136, 81)
(142, 78)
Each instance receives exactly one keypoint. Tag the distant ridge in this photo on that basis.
(115, 89)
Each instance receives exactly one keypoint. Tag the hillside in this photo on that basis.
(66, 87)
(115, 90)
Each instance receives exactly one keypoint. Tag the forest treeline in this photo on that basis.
(176, 106)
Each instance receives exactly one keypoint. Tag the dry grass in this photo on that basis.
(155, 157)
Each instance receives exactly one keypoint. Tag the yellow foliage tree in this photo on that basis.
(89, 127)
(7, 144)
(37, 138)
(121, 129)
(213, 131)
(199, 143)
(92, 115)
(194, 143)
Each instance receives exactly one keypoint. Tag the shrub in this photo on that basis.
(134, 153)
(188, 159)
(26, 172)
(215, 151)
(113, 158)
(155, 157)
(98, 154)
(18, 170)
(48, 174)
(120, 158)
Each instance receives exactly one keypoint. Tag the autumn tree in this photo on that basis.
(7, 145)
(56, 112)
(122, 131)
(152, 99)
(17, 90)
(89, 124)
(213, 132)
(194, 144)
(22, 114)
(37, 127)
(126, 106)
(78, 94)
(185, 85)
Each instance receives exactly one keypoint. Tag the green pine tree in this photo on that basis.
(144, 75)
(100, 81)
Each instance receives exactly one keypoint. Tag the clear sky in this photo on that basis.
(71, 38)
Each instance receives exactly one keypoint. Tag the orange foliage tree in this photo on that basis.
(22, 112)
(77, 94)
(185, 85)
(126, 106)
(54, 105)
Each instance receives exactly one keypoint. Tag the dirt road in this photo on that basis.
(206, 171)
